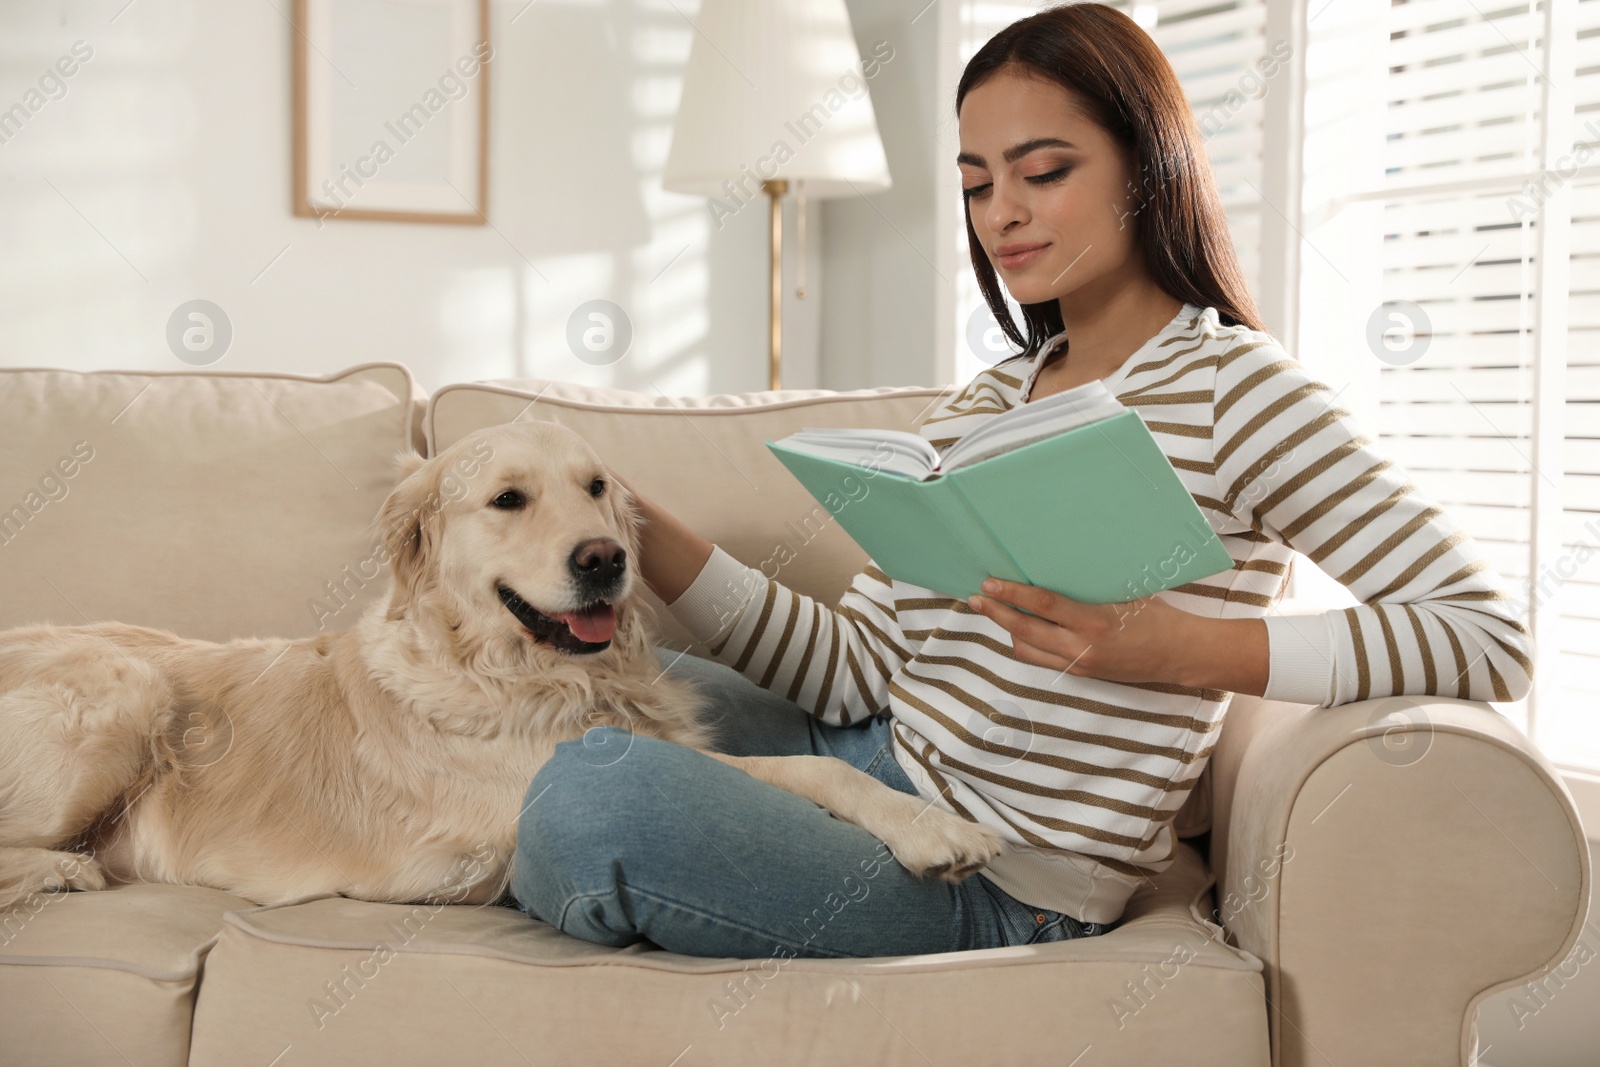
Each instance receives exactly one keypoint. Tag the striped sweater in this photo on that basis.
(1083, 776)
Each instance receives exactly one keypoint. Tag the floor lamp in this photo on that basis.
(775, 101)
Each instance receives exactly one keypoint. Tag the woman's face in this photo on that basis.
(1038, 174)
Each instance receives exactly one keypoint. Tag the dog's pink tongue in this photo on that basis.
(597, 624)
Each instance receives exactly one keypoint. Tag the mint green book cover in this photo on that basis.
(1096, 514)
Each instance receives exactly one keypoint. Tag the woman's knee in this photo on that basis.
(745, 719)
(597, 793)
(596, 824)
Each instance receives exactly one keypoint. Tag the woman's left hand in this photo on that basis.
(1143, 640)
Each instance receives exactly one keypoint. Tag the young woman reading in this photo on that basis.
(1088, 192)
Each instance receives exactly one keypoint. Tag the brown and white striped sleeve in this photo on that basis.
(834, 662)
(1435, 618)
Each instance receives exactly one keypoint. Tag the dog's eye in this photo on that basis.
(597, 487)
(510, 500)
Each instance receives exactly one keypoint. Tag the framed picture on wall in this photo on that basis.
(391, 110)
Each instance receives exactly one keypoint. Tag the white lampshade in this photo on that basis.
(776, 89)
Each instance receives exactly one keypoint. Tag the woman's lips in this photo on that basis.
(1021, 259)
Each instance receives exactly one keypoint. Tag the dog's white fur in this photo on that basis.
(387, 762)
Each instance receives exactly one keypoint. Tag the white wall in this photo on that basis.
(882, 259)
(163, 175)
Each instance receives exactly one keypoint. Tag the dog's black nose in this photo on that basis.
(599, 562)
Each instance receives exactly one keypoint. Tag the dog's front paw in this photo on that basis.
(935, 842)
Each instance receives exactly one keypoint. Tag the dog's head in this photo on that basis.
(514, 532)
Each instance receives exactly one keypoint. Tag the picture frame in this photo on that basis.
(391, 110)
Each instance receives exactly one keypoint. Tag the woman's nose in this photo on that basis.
(1004, 209)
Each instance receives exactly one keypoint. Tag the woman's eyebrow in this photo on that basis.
(1016, 152)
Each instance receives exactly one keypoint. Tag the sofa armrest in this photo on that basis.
(1393, 862)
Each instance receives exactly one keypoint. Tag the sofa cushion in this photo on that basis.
(341, 981)
(216, 505)
(105, 978)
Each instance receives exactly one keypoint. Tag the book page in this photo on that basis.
(903, 453)
(1031, 422)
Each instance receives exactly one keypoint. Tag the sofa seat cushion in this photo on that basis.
(335, 981)
(217, 505)
(105, 978)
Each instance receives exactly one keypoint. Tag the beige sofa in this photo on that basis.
(1353, 880)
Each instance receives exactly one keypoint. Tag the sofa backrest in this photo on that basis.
(703, 459)
(223, 505)
(216, 505)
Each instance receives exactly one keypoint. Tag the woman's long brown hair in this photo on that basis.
(1126, 86)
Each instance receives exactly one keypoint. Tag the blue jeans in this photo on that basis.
(626, 838)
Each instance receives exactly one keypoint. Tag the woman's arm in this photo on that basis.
(835, 662)
(1145, 640)
(1434, 618)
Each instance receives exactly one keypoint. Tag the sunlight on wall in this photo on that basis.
(162, 175)
(651, 268)
(100, 205)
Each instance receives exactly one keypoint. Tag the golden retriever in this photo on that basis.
(388, 761)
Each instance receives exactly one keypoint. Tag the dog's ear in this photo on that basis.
(629, 518)
(407, 462)
(409, 525)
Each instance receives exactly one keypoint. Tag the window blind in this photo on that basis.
(1469, 210)
(1569, 729)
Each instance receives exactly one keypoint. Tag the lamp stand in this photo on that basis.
(775, 188)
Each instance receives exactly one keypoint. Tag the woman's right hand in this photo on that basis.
(671, 554)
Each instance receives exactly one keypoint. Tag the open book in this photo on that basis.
(908, 454)
(1069, 492)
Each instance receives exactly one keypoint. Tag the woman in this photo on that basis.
(1077, 731)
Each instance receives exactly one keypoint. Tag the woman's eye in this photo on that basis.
(971, 192)
(509, 500)
(597, 487)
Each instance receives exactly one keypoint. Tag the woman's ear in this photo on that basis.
(409, 524)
